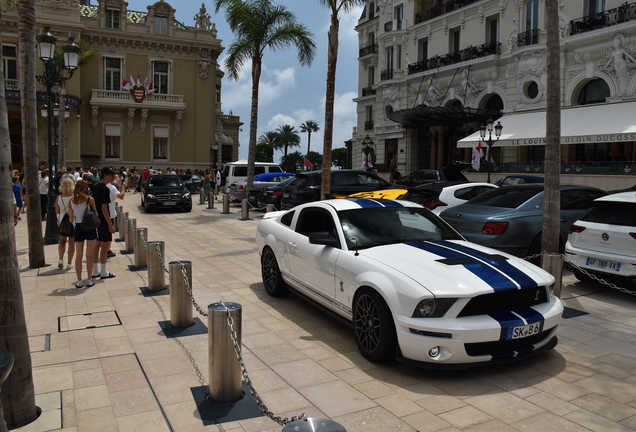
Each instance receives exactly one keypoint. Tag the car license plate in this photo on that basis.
(603, 264)
(524, 331)
(286, 195)
(169, 203)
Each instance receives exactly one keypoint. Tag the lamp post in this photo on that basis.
(367, 152)
(50, 79)
(482, 132)
(215, 149)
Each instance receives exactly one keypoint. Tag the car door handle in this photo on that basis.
(292, 245)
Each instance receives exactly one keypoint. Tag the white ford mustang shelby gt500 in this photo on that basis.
(410, 284)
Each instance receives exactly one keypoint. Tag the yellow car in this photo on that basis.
(380, 194)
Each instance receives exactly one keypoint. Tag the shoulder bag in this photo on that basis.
(90, 220)
(65, 228)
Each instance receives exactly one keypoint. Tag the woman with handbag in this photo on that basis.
(82, 206)
(65, 226)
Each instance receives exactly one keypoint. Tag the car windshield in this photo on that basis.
(612, 213)
(185, 177)
(506, 197)
(364, 228)
(172, 181)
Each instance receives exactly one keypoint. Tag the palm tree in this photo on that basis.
(269, 137)
(257, 25)
(18, 395)
(332, 59)
(287, 137)
(308, 127)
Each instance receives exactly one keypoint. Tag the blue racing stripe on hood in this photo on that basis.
(375, 203)
(530, 315)
(511, 271)
(492, 277)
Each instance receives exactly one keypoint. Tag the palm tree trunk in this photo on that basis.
(308, 142)
(332, 60)
(251, 151)
(26, 35)
(18, 394)
(552, 198)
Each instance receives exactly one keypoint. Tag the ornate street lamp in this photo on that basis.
(368, 154)
(51, 78)
(482, 132)
(215, 149)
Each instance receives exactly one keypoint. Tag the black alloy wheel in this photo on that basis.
(270, 272)
(373, 326)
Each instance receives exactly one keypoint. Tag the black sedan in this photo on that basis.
(192, 182)
(165, 192)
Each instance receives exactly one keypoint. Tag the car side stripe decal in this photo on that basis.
(508, 269)
(493, 277)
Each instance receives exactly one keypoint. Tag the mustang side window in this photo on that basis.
(287, 218)
(311, 220)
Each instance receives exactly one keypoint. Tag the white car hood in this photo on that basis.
(458, 268)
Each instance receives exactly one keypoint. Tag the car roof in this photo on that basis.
(438, 186)
(269, 176)
(625, 197)
(359, 203)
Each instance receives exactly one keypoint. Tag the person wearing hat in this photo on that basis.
(102, 196)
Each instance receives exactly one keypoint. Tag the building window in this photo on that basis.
(389, 58)
(161, 25)
(218, 93)
(423, 51)
(112, 141)
(371, 76)
(595, 91)
(112, 18)
(532, 15)
(390, 152)
(112, 73)
(399, 57)
(371, 10)
(454, 41)
(10, 62)
(160, 76)
(370, 39)
(399, 16)
(596, 6)
(368, 123)
(492, 30)
(160, 136)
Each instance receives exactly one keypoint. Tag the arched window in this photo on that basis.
(494, 103)
(595, 91)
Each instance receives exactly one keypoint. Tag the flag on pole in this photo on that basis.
(476, 160)
(308, 164)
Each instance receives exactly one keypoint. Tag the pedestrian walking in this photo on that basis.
(106, 229)
(18, 193)
(43, 186)
(80, 200)
(61, 209)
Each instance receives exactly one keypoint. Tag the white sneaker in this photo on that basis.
(69, 266)
(79, 284)
(60, 264)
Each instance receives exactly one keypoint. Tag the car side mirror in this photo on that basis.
(322, 238)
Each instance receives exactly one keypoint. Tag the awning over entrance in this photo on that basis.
(606, 123)
(425, 116)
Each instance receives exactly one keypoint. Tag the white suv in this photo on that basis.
(603, 241)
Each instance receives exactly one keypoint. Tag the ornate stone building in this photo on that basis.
(151, 96)
(428, 81)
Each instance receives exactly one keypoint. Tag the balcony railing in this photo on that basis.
(368, 91)
(109, 97)
(469, 53)
(530, 37)
(368, 125)
(441, 9)
(11, 84)
(386, 74)
(621, 14)
(369, 49)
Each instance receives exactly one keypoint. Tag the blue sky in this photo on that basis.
(289, 94)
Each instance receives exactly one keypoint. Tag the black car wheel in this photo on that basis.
(146, 209)
(272, 278)
(373, 326)
(187, 209)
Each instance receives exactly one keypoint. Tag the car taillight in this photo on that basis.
(495, 228)
(431, 205)
(241, 187)
(633, 235)
(576, 229)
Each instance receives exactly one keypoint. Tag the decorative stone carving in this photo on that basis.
(573, 73)
(178, 116)
(564, 24)
(518, 4)
(205, 64)
(469, 88)
(202, 19)
(131, 120)
(382, 5)
(620, 62)
(391, 96)
(462, 19)
(94, 111)
(511, 41)
(144, 117)
(577, 58)
(445, 25)
(530, 63)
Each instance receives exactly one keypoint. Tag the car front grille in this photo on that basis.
(504, 301)
(504, 347)
(169, 197)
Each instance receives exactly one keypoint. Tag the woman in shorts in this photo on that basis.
(61, 208)
(76, 209)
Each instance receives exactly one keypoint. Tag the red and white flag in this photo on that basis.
(308, 164)
(476, 160)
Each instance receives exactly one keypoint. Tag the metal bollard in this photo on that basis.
(553, 264)
(223, 366)
(156, 272)
(6, 364)
(180, 303)
(269, 208)
(141, 253)
(226, 204)
(201, 196)
(211, 200)
(124, 224)
(312, 424)
(130, 238)
(245, 210)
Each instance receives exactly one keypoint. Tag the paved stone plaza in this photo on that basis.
(101, 361)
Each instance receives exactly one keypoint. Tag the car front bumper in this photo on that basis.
(473, 340)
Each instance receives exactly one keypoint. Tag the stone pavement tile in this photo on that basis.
(48, 420)
(120, 363)
(114, 346)
(256, 340)
(605, 407)
(91, 397)
(81, 338)
(43, 358)
(579, 332)
(109, 332)
(69, 415)
(504, 406)
(140, 321)
(84, 353)
(558, 367)
(48, 379)
(552, 403)
(619, 361)
(611, 345)
(336, 398)
(441, 403)
(353, 376)
(593, 421)
(318, 352)
(60, 340)
(629, 423)
(374, 419)
(174, 388)
(605, 385)
(133, 401)
(165, 366)
(374, 389)
(465, 417)
(398, 405)
(97, 420)
(613, 371)
(419, 391)
(286, 399)
(150, 351)
(461, 385)
(397, 377)
(514, 386)
(126, 380)
(491, 426)
(267, 380)
(184, 416)
(152, 421)
(557, 387)
(88, 378)
(335, 364)
(582, 348)
(548, 422)
(303, 373)
(573, 357)
(359, 361)
(276, 354)
(86, 364)
(146, 335)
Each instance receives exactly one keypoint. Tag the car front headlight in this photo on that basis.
(433, 308)
(151, 196)
(186, 195)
